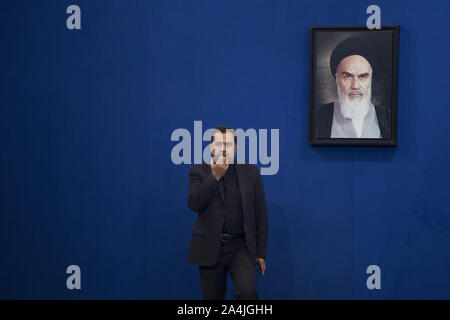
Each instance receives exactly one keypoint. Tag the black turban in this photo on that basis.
(354, 46)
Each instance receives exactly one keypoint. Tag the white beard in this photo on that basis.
(355, 109)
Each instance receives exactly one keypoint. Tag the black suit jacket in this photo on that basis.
(325, 121)
(207, 199)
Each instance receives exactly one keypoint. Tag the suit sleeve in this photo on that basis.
(200, 191)
(261, 218)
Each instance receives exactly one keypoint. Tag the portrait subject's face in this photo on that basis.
(354, 76)
(353, 80)
(224, 144)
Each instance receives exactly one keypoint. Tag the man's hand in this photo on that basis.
(262, 263)
(219, 169)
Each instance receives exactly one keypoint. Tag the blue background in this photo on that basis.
(87, 178)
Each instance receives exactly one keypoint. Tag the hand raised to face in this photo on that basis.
(219, 168)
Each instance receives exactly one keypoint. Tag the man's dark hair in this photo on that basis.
(223, 129)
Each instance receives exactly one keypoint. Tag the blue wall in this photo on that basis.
(87, 178)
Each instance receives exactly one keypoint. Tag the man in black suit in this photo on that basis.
(230, 232)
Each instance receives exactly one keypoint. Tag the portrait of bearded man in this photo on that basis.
(353, 63)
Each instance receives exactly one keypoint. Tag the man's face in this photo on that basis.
(354, 76)
(224, 144)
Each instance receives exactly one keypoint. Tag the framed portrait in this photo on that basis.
(353, 86)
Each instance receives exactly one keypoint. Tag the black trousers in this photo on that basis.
(234, 258)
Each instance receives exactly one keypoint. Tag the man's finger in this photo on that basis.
(221, 159)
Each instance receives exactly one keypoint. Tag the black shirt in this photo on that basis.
(233, 205)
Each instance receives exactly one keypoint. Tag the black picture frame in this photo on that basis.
(389, 105)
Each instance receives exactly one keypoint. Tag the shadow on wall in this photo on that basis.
(278, 281)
